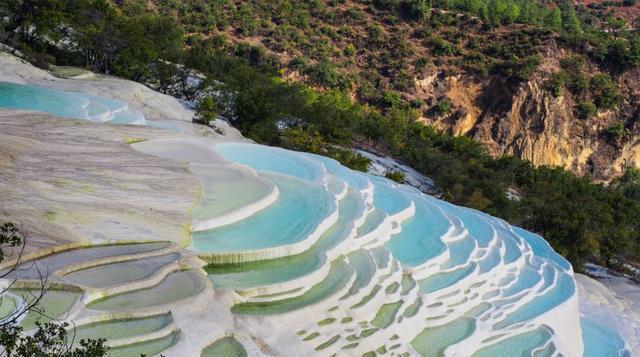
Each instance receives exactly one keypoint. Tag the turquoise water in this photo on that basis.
(460, 251)
(67, 104)
(354, 179)
(365, 268)
(265, 272)
(148, 348)
(434, 340)
(527, 278)
(476, 224)
(122, 328)
(419, 239)
(120, 273)
(225, 347)
(338, 277)
(64, 104)
(563, 290)
(373, 220)
(387, 198)
(443, 280)
(541, 247)
(264, 158)
(51, 263)
(173, 287)
(600, 341)
(300, 208)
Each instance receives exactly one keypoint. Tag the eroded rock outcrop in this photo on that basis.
(527, 121)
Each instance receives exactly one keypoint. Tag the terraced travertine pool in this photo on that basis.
(225, 347)
(67, 104)
(312, 258)
(174, 287)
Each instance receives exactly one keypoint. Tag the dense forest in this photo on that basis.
(346, 84)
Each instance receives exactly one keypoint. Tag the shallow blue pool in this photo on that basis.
(600, 341)
(388, 198)
(264, 158)
(420, 237)
(300, 208)
(67, 104)
(19, 96)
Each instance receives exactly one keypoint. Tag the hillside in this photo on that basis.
(498, 79)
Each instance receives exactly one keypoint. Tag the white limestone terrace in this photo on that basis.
(151, 104)
(504, 285)
(613, 302)
(306, 256)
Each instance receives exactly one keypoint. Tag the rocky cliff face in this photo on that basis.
(528, 121)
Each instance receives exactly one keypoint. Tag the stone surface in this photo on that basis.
(67, 180)
(152, 104)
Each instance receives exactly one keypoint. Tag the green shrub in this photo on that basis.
(555, 84)
(604, 91)
(392, 99)
(397, 176)
(443, 107)
(349, 50)
(614, 132)
(585, 109)
(207, 110)
(441, 47)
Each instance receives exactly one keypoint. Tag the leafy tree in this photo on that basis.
(48, 340)
(207, 110)
(575, 73)
(554, 19)
(570, 21)
(633, 57)
(324, 74)
(629, 183)
(555, 84)
(36, 19)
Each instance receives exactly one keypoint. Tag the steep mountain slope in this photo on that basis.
(498, 81)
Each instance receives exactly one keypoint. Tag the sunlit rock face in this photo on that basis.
(301, 256)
